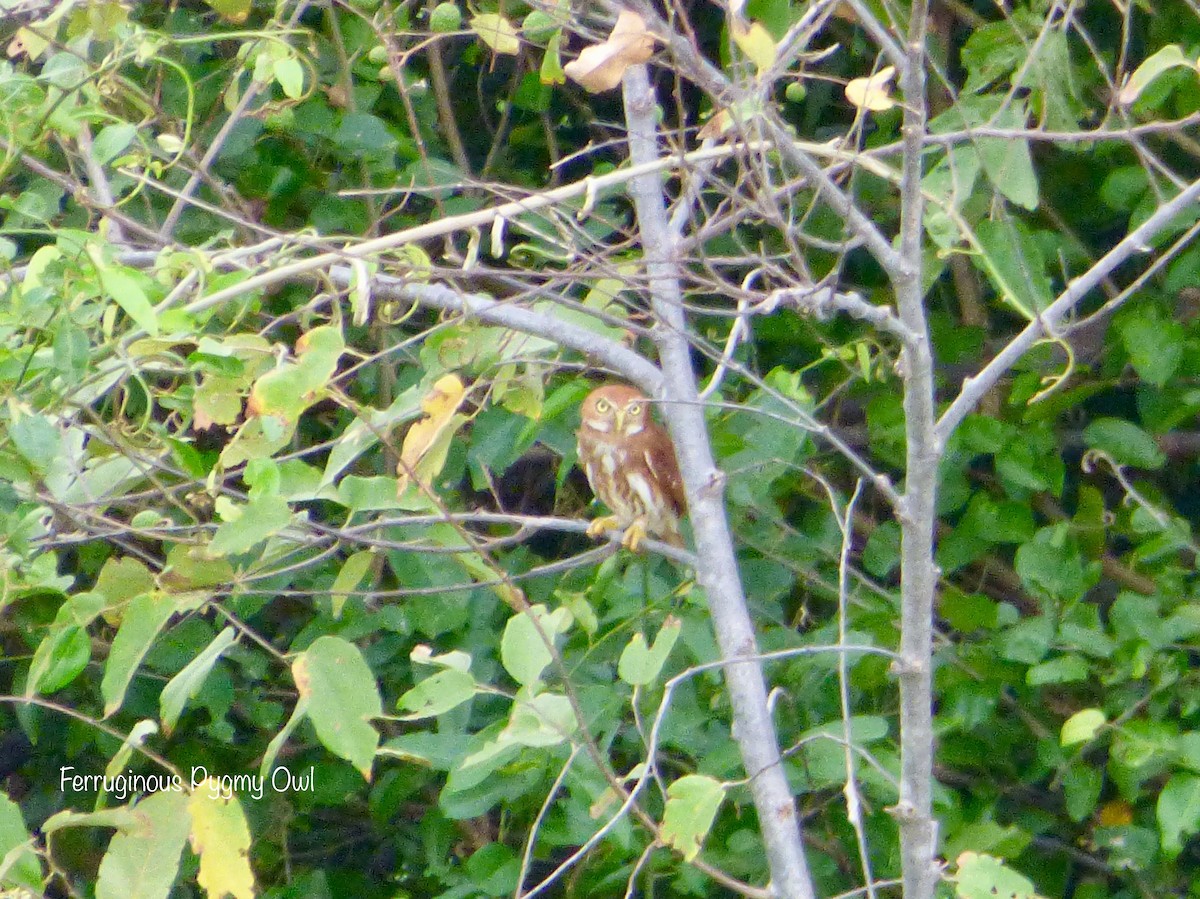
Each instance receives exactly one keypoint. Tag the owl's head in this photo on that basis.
(616, 409)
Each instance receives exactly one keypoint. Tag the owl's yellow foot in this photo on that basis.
(605, 523)
(634, 534)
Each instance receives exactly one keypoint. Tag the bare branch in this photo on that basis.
(1137, 241)
(716, 565)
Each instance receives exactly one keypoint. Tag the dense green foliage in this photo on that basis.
(209, 565)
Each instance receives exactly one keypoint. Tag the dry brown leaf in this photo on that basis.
(439, 406)
(873, 93)
(601, 66)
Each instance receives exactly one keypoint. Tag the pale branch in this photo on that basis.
(716, 563)
(821, 302)
(98, 180)
(616, 356)
(918, 513)
(1046, 323)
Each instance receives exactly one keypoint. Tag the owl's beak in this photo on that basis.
(620, 415)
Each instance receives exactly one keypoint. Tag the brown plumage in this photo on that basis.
(630, 463)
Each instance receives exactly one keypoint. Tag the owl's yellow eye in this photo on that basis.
(601, 406)
(633, 409)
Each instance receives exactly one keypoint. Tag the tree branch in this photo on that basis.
(1137, 241)
(716, 564)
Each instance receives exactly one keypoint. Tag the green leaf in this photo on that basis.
(1178, 811)
(145, 616)
(235, 11)
(949, 185)
(37, 440)
(444, 18)
(23, 869)
(1154, 343)
(497, 32)
(250, 525)
(692, 804)
(986, 877)
(128, 294)
(1081, 790)
(523, 651)
(1066, 669)
(112, 141)
(1169, 57)
(187, 683)
(438, 694)
(546, 719)
(143, 863)
(290, 75)
(1013, 261)
(1082, 727)
(640, 665)
(353, 570)
(341, 698)
(1125, 442)
(59, 659)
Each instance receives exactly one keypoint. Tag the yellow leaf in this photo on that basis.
(601, 66)
(873, 93)
(222, 840)
(428, 439)
(497, 32)
(756, 42)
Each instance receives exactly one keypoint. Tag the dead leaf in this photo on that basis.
(873, 93)
(440, 407)
(600, 67)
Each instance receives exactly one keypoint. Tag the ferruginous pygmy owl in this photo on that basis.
(630, 463)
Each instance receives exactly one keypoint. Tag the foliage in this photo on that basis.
(291, 546)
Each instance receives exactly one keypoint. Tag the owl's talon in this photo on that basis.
(597, 528)
(634, 534)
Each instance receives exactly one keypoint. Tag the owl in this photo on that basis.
(630, 463)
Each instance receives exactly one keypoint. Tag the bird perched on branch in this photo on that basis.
(630, 463)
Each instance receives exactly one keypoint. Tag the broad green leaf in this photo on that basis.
(58, 660)
(438, 694)
(1082, 784)
(249, 525)
(640, 665)
(985, 877)
(546, 719)
(144, 863)
(523, 650)
(1013, 261)
(363, 433)
(342, 697)
(290, 76)
(1169, 57)
(1155, 344)
(1125, 442)
(37, 440)
(1178, 811)
(551, 71)
(497, 32)
(187, 683)
(221, 837)
(122, 818)
(692, 804)
(445, 17)
(145, 616)
(1082, 727)
(23, 869)
(128, 294)
(112, 141)
(353, 570)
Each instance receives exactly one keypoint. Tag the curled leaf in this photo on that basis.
(873, 93)
(756, 42)
(1169, 57)
(427, 441)
(601, 66)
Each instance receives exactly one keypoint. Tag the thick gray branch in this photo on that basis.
(1137, 241)
(716, 565)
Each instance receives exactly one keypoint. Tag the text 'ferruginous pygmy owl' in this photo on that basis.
(630, 463)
